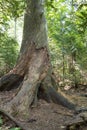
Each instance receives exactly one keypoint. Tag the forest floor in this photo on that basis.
(50, 116)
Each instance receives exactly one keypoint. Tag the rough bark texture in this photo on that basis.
(32, 74)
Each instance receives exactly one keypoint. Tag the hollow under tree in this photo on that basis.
(33, 71)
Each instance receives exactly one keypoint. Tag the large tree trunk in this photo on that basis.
(33, 72)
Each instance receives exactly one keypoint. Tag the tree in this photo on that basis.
(33, 71)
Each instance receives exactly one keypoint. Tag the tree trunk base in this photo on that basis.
(37, 69)
(34, 78)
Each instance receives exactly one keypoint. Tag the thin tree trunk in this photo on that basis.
(15, 28)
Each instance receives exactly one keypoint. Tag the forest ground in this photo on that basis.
(50, 116)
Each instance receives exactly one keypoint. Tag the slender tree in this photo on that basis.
(33, 71)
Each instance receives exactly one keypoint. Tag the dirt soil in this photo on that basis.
(48, 116)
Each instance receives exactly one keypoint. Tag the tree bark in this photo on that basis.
(33, 71)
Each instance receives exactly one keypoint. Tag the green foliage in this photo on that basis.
(15, 128)
(8, 53)
(68, 38)
(81, 20)
(14, 8)
(10, 9)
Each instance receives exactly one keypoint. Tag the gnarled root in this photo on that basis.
(17, 123)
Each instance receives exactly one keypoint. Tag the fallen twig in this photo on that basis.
(62, 113)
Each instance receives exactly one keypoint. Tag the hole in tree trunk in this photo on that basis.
(10, 81)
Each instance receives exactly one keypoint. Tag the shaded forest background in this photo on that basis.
(67, 36)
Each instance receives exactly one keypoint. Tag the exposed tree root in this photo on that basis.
(59, 99)
(76, 122)
(49, 93)
(53, 96)
(80, 110)
(17, 123)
